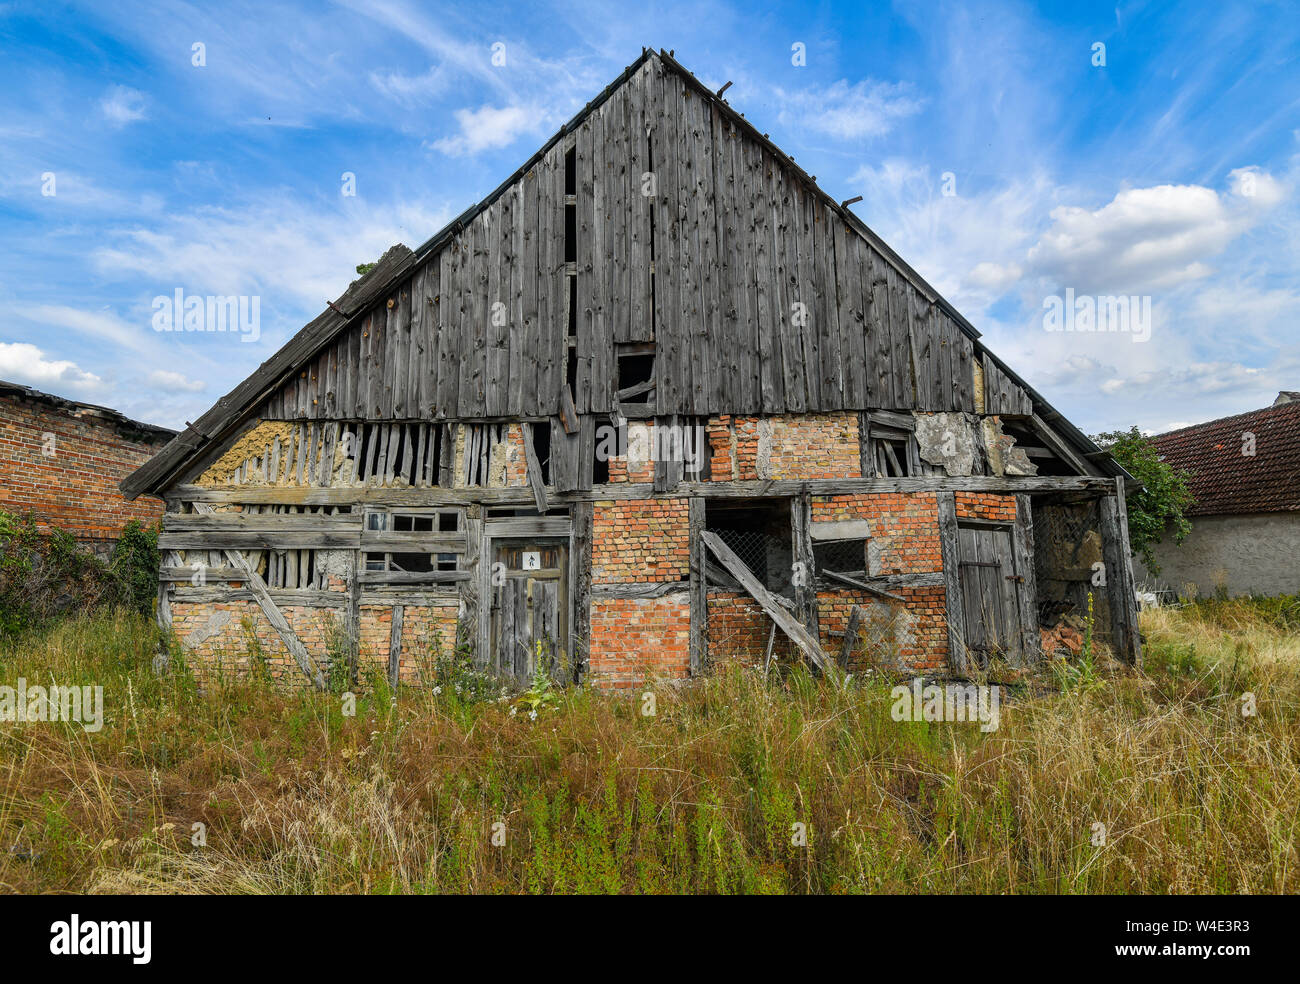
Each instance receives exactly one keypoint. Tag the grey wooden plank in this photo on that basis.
(699, 604)
(523, 376)
(785, 276)
(766, 289)
(950, 552)
(395, 646)
(641, 297)
(534, 469)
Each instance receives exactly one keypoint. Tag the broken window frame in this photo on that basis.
(382, 520)
(823, 547)
(893, 453)
(779, 506)
(635, 397)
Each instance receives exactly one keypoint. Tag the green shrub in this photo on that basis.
(45, 573)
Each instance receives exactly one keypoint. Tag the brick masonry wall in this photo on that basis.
(426, 631)
(640, 540)
(984, 505)
(226, 637)
(739, 629)
(791, 446)
(636, 639)
(805, 446)
(76, 488)
(632, 639)
(904, 540)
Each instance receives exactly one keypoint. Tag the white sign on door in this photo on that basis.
(532, 560)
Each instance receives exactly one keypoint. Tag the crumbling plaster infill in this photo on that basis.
(949, 440)
(1004, 457)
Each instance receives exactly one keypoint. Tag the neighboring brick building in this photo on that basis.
(615, 428)
(1245, 477)
(62, 461)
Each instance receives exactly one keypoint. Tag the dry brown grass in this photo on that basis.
(701, 797)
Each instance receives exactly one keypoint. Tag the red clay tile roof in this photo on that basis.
(1226, 481)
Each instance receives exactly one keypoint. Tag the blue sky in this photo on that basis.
(991, 151)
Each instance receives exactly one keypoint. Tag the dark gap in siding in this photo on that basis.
(542, 448)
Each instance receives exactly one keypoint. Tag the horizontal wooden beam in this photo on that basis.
(260, 540)
(640, 589)
(853, 582)
(389, 542)
(411, 577)
(517, 496)
(259, 522)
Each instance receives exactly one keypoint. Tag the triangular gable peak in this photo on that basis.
(659, 256)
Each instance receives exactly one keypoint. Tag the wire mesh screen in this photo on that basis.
(767, 555)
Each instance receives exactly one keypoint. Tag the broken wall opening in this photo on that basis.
(1068, 566)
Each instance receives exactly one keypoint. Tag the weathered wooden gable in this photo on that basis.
(659, 216)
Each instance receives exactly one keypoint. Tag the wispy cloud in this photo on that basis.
(489, 128)
(165, 379)
(122, 105)
(849, 112)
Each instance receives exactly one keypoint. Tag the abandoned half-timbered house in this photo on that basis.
(658, 401)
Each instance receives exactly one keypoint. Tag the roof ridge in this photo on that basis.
(1221, 420)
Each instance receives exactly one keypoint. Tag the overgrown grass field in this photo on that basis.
(703, 796)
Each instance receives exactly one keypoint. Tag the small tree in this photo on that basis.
(1160, 505)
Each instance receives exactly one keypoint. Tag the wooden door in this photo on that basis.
(530, 609)
(990, 588)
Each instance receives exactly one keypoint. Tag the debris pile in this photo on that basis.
(1067, 634)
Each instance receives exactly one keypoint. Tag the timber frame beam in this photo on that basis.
(522, 496)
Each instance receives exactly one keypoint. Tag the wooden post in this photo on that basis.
(354, 602)
(805, 589)
(699, 589)
(583, 515)
(1120, 592)
(851, 632)
(948, 544)
(1022, 552)
(395, 646)
(1133, 643)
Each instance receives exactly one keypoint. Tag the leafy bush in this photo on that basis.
(45, 573)
(1157, 508)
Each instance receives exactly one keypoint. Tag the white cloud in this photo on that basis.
(489, 128)
(25, 363)
(122, 105)
(165, 379)
(993, 277)
(849, 112)
(1148, 239)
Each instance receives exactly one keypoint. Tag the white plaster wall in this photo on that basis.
(1248, 554)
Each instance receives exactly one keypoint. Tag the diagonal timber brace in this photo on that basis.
(273, 614)
(790, 625)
